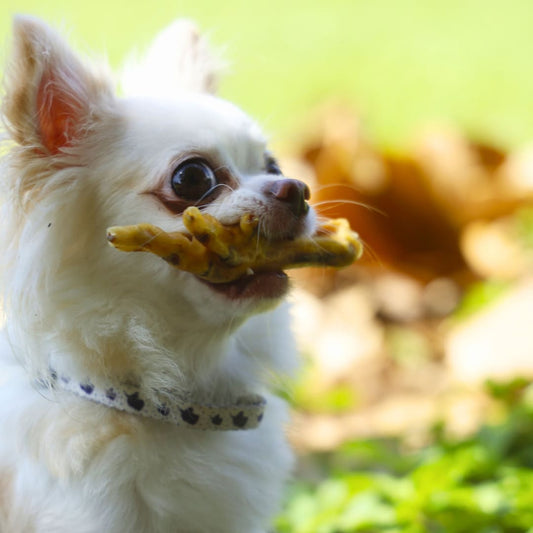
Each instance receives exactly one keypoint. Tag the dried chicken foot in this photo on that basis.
(176, 248)
(334, 245)
(223, 253)
(229, 242)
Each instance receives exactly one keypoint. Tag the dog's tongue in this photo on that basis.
(219, 253)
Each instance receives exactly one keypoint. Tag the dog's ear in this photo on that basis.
(50, 95)
(179, 60)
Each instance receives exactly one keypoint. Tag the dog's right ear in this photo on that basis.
(50, 95)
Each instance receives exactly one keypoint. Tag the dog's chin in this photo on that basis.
(259, 286)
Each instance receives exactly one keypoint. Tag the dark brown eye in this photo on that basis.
(272, 166)
(193, 179)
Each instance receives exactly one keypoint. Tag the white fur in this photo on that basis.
(74, 303)
(178, 60)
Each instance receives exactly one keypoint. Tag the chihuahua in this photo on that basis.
(135, 397)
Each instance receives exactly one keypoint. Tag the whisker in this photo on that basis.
(153, 237)
(211, 191)
(336, 203)
(372, 254)
(348, 186)
(260, 228)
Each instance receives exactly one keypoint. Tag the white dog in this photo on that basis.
(134, 397)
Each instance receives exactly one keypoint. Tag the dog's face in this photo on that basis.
(87, 160)
(199, 150)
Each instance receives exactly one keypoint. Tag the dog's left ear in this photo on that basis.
(51, 97)
(179, 60)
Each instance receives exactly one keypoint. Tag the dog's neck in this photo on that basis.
(220, 401)
(246, 412)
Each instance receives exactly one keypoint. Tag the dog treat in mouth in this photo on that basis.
(221, 253)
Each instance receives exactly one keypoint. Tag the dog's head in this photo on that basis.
(84, 159)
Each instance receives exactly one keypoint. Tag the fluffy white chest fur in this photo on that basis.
(78, 159)
(68, 465)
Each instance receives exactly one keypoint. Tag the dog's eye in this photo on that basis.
(193, 179)
(272, 166)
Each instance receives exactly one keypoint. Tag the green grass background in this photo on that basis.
(400, 63)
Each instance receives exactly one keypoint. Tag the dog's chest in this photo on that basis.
(84, 467)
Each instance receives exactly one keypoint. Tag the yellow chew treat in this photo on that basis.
(220, 253)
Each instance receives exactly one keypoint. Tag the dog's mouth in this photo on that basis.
(270, 285)
(237, 260)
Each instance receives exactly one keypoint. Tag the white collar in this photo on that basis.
(246, 413)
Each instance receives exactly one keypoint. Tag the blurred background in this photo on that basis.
(414, 408)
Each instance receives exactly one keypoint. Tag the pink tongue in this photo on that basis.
(260, 285)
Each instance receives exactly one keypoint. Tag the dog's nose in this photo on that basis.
(294, 193)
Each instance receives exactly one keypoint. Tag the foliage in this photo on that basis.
(524, 226)
(481, 484)
(479, 295)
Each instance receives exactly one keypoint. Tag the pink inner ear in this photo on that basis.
(58, 113)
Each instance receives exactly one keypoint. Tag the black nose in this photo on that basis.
(294, 193)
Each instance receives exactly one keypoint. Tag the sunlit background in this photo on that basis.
(414, 119)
